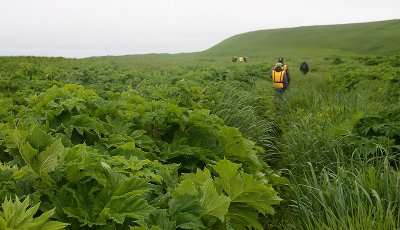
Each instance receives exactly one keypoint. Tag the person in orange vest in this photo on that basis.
(280, 76)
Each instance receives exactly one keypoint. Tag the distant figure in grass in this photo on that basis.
(245, 58)
(280, 76)
(234, 59)
(240, 59)
(304, 67)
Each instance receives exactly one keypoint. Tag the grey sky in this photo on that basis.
(81, 28)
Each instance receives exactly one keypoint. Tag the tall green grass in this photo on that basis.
(349, 196)
(338, 180)
(313, 119)
(249, 111)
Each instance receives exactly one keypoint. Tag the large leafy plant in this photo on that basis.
(17, 215)
(131, 159)
(230, 199)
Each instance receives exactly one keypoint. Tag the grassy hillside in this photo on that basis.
(372, 38)
(377, 38)
(264, 46)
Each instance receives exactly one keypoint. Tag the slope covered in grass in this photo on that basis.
(371, 38)
(378, 38)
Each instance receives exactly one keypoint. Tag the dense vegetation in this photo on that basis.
(155, 142)
(109, 147)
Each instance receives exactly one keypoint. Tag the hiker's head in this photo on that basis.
(280, 60)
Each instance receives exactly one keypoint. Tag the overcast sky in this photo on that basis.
(81, 28)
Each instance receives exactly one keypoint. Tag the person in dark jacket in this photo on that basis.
(304, 67)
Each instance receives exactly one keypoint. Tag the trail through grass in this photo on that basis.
(334, 184)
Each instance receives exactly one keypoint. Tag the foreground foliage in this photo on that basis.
(143, 157)
(15, 215)
(111, 145)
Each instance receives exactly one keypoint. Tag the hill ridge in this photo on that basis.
(378, 38)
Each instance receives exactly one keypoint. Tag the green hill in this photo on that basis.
(377, 38)
(371, 38)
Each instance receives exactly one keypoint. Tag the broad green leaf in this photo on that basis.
(229, 178)
(86, 123)
(83, 123)
(200, 177)
(212, 203)
(243, 217)
(134, 206)
(115, 140)
(198, 189)
(126, 186)
(128, 199)
(44, 162)
(258, 195)
(137, 133)
(243, 188)
(48, 158)
(39, 139)
(83, 161)
(236, 147)
(16, 139)
(159, 217)
(184, 203)
(128, 146)
(187, 220)
(29, 154)
(83, 216)
(94, 203)
(74, 103)
(186, 187)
